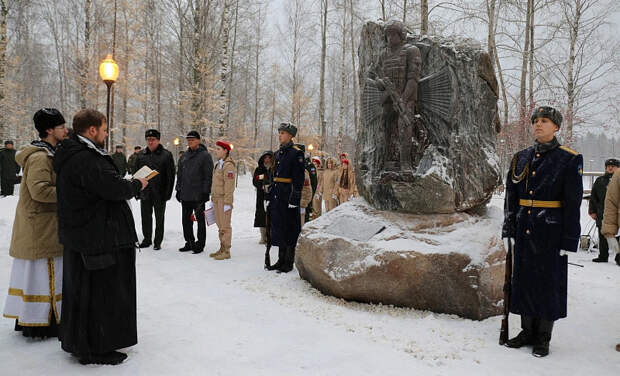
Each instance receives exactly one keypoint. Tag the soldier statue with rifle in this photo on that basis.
(396, 74)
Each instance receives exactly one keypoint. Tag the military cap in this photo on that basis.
(119, 146)
(137, 147)
(152, 133)
(288, 128)
(612, 162)
(548, 112)
(47, 118)
(193, 134)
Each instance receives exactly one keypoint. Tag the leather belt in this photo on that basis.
(283, 180)
(540, 204)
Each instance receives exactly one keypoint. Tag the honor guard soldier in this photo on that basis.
(541, 220)
(285, 197)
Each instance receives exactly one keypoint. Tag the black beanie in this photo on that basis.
(47, 118)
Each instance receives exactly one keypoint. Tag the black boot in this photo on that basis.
(281, 257)
(526, 337)
(112, 358)
(617, 258)
(189, 246)
(542, 338)
(145, 244)
(287, 266)
(599, 259)
(198, 248)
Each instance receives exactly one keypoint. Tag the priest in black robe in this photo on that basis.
(97, 230)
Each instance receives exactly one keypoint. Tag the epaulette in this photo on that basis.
(565, 148)
(296, 148)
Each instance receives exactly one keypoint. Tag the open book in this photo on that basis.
(145, 173)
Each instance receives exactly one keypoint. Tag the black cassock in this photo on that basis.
(97, 230)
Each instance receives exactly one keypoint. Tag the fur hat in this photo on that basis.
(289, 128)
(47, 118)
(548, 112)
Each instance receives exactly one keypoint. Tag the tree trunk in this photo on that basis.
(354, 68)
(86, 60)
(322, 122)
(257, 67)
(224, 69)
(404, 11)
(342, 79)
(524, 66)
(424, 17)
(531, 59)
(574, 26)
(4, 13)
(232, 65)
(197, 68)
(382, 2)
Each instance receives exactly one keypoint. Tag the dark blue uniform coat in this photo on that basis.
(285, 221)
(539, 280)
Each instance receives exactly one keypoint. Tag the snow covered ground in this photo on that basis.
(200, 316)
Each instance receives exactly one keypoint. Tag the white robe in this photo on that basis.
(35, 291)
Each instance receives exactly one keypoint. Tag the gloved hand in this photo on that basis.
(509, 243)
(335, 197)
(178, 196)
(227, 208)
(563, 252)
(291, 206)
(614, 248)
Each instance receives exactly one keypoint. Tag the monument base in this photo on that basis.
(445, 263)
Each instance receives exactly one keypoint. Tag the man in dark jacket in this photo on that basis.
(193, 188)
(133, 159)
(260, 180)
(154, 197)
(8, 169)
(541, 220)
(96, 228)
(596, 207)
(120, 161)
(285, 198)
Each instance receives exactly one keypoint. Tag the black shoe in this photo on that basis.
(541, 350)
(617, 258)
(111, 358)
(157, 247)
(289, 260)
(524, 338)
(145, 244)
(599, 259)
(281, 257)
(188, 247)
(198, 247)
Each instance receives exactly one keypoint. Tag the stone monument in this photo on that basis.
(421, 235)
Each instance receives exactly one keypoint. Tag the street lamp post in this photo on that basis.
(108, 71)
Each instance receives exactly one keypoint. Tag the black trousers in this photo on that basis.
(7, 186)
(147, 207)
(603, 247)
(198, 209)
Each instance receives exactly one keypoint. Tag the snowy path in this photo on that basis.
(199, 316)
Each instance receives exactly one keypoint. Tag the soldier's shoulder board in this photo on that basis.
(296, 148)
(569, 150)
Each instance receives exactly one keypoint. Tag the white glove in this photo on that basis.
(614, 248)
(351, 197)
(227, 208)
(563, 252)
(302, 210)
(508, 243)
(334, 197)
(291, 206)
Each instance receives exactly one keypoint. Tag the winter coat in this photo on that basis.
(120, 161)
(285, 197)
(306, 192)
(160, 187)
(352, 189)
(93, 214)
(597, 198)
(132, 163)
(544, 191)
(611, 215)
(260, 179)
(35, 229)
(328, 187)
(8, 166)
(224, 182)
(194, 175)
